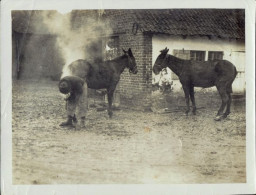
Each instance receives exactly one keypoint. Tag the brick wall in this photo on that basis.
(135, 90)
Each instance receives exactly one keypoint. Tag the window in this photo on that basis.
(197, 55)
(215, 55)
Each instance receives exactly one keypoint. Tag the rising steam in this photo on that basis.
(76, 37)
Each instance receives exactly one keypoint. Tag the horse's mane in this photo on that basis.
(116, 58)
(90, 62)
(175, 59)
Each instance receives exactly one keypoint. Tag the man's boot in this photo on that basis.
(74, 119)
(80, 124)
(68, 122)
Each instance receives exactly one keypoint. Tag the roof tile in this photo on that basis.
(226, 23)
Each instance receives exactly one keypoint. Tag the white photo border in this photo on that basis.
(6, 99)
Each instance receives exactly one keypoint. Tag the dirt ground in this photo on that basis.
(132, 147)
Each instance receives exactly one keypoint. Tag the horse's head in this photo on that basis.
(159, 65)
(131, 61)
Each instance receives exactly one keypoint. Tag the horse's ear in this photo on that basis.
(124, 51)
(164, 51)
(130, 52)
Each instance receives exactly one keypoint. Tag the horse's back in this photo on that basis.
(198, 67)
(202, 73)
(219, 66)
(209, 73)
(80, 68)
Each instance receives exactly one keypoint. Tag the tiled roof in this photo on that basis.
(223, 23)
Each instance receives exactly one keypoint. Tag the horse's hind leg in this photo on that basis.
(227, 112)
(110, 100)
(224, 98)
(192, 97)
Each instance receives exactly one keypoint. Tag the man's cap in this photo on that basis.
(64, 87)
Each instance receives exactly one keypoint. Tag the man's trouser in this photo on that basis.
(79, 105)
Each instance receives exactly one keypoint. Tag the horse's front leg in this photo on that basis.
(186, 91)
(110, 93)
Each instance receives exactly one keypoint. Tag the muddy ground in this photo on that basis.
(133, 147)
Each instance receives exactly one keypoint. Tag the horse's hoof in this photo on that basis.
(110, 114)
(78, 127)
(218, 118)
(224, 116)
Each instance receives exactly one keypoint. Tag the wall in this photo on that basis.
(134, 85)
(135, 89)
(233, 52)
(38, 56)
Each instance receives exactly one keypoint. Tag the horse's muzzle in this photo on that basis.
(156, 70)
(134, 70)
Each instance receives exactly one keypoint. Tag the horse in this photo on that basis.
(219, 73)
(104, 74)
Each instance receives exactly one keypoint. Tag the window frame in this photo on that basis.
(211, 58)
(199, 55)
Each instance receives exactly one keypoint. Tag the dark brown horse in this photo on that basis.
(104, 74)
(219, 73)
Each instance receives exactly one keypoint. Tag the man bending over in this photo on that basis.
(76, 90)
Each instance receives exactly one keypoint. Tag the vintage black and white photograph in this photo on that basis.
(129, 96)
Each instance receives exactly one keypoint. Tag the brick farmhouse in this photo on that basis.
(196, 34)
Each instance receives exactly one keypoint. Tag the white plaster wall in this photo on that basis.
(234, 51)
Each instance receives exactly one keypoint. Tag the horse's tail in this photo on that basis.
(218, 67)
(235, 72)
(229, 86)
